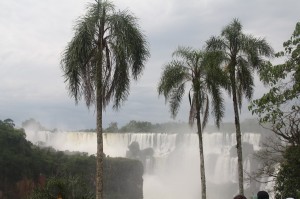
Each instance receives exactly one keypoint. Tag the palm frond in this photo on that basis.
(218, 108)
(76, 62)
(245, 78)
(232, 33)
(175, 99)
(125, 30)
(203, 71)
(183, 52)
(243, 54)
(121, 80)
(127, 52)
(255, 49)
(110, 39)
(173, 75)
(215, 44)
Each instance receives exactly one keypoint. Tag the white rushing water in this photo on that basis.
(176, 173)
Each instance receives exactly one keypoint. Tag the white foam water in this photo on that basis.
(176, 173)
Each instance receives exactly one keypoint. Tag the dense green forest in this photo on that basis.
(26, 167)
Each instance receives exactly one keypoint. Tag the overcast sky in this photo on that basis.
(33, 34)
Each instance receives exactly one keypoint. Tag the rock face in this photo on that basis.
(144, 155)
(123, 179)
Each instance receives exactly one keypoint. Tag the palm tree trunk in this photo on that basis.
(99, 97)
(238, 139)
(202, 167)
(100, 155)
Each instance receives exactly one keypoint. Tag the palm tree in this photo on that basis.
(243, 54)
(107, 49)
(201, 71)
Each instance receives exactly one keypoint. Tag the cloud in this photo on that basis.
(33, 34)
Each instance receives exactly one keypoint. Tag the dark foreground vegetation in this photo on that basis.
(28, 171)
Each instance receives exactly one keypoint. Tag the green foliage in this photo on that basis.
(279, 110)
(137, 126)
(280, 105)
(19, 160)
(249, 125)
(106, 50)
(145, 127)
(67, 188)
(242, 55)
(288, 178)
(13, 146)
(201, 70)
(124, 180)
(70, 173)
(8, 122)
(112, 128)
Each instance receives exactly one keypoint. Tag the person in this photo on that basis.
(262, 195)
(239, 197)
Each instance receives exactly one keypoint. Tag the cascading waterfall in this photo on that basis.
(176, 173)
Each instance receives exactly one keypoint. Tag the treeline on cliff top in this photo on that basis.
(248, 125)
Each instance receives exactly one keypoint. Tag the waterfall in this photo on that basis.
(176, 172)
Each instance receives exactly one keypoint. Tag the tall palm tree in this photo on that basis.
(243, 54)
(107, 49)
(201, 71)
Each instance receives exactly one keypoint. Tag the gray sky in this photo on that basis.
(33, 34)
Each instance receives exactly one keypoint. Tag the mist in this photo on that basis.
(175, 173)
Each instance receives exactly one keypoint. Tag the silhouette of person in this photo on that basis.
(262, 195)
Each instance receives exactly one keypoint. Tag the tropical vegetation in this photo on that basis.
(279, 111)
(242, 54)
(199, 70)
(29, 171)
(108, 48)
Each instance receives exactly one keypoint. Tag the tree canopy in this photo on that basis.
(110, 40)
(243, 54)
(279, 111)
(280, 105)
(107, 50)
(201, 71)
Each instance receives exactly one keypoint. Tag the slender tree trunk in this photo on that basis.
(202, 166)
(99, 103)
(238, 136)
(100, 155)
